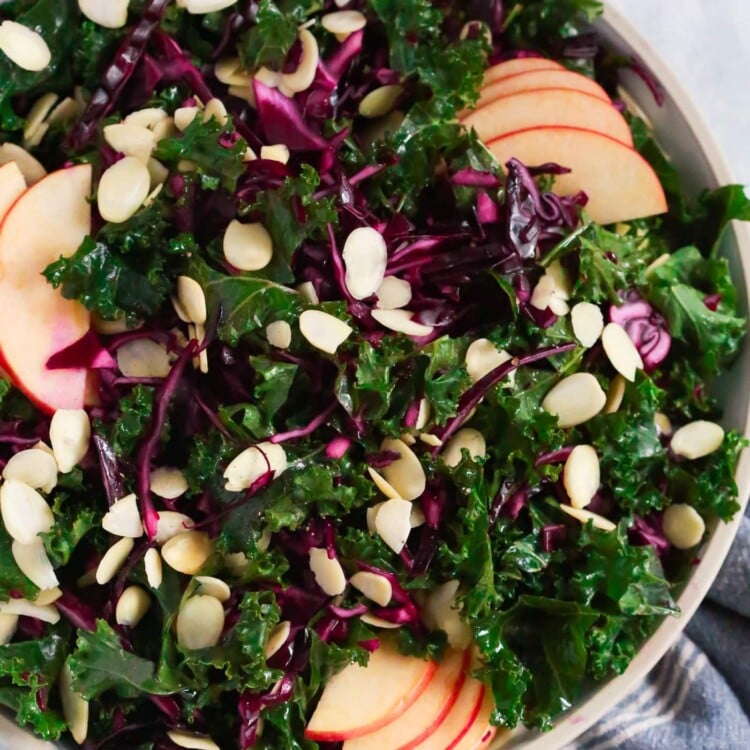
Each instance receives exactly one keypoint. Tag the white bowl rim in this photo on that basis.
(585, 714)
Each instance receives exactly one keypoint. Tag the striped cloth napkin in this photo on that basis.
(698, 696)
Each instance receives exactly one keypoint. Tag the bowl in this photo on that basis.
(686, 139)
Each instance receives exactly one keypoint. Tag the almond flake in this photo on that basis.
(380, 101)
(660, 261)
(31, 169)
(279, 334)
(252, 464)
(193, 300)
(123, 518)
(683, 526)
(268, 77)
(112, 14)
(64, 112)
(482, 357)
(393, 293)
(34, 467)
(575, 399)
(406, 474)
(401, 321)
(697, 439)
(278, 152)
(301, 79)
(69, 434)
(148, 117)
(423, 415)
(48, 596)
(34, 563)
(187, 551)
(365, 256)
(74, 706)
(372, 513)
(581, 476)
(429, 439)
(588, 323)
(131, 140)
(584, 516)
(392, 523)
(24, 46)
(201, 7)
(132, 606)
(375, 587)
(308, 293)
(279, 636)
(24, 511)
(215, 110)
(329, 574)
(191, 740)
(248, 247)
(615, 394)
(662, 423)
(215, 587)
(122, 189)
(378, 622)
(228, 70)
(168, 482)
(466, 439)
(114, 558)
(171, 523)
(200, 623)
(38, 112)
(153, 567)
(440, 612)
(25, 608)
(621, 351)
(143, 358)
(8, 625)
(342, 23)
(324, 331)
(408, 438)
(183, 116)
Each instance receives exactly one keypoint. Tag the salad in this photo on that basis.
(357, 365)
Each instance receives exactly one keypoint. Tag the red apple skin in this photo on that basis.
(548, 108)
(480, 733)
(518, 65)
(401, 678)
(619, 182)
(423, 718)
(48, 220)
(540, 79)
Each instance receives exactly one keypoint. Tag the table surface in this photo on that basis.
(707, 45)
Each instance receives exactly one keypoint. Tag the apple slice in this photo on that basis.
(548, 107)
(12, 184)
(425, 715)
(359, 700)
(518, 65)
(620, 183)
(481, 733)
(49, 219)
(541, 79)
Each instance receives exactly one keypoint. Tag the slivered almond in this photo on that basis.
(75, 707)
(37, 114)
(278, 638)
(192, 740)
(25, 608)
(183, 116)
(112, 14)
(379, 622)
(191, 296)
(277, 152)
(200, 622)
(148, 117)
(380, 101)
(342, 23)
(123, 518)
(584, 516)
(329, 574)
(228, 70)
(113, 559)
(615, 394)
(401, 321)
(153, 567)
(24, 511)
(34, 467)
(301, 79)
(8, 625)
(33, 562)
(216, 110)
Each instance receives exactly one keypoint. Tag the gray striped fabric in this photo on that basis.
(698, 696)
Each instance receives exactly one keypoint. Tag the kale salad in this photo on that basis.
(298, 372)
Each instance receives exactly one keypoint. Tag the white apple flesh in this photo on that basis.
(518, 65)
(619, 182)
(548, 108)
(48, 220)
(12, 184)
(481, 733)
(420, 721)
(359, 700)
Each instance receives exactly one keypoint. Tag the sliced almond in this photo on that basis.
(379, 622)
(575, 399)
(323, 330)
(301, 79)
(372, 513)
(429, 439)
(279, 636)
(31, 169)
(191, 296)
(33, 562)
(24, 511)
(24, 46)
(342, 23)
(588, 323)
(467, 439)
(148, 117)
(143, 358)
(122, 189)
(171, 523)
(8, 625)
(187, 551)
(252, 464)
(584, 516)
(191, 740)
(114, 558)
(165, 128)
(365, 256)
(375, 587)
(25, 608)
(380, 101)
(48, 596)
(153, 567)
(184, 116)
(278, 152)
(124, 518)
(697, 439)
(215, 110)
(75, 707)
(683, 526)
(200, 622)
(279, 334)
(34, 467)
(329, 574)
(69, 434)
(621, 351)
(615, 394)
(267, 77)
(37, 114)
(243, 92)
(660, 261)
(423, 415)
(248, 247)
(131, 140)
(406, 474)
(393, 293)
(483, 357)
(132, 606)
(168, 482)
(662, 423)
(112, 14)
(401, 321)
(228, 70)
(200, 7)
(393, 523)
(215, 587)
(64, 112)
(581, 477)
(417, 517)
(307, 290)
